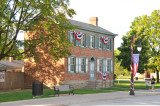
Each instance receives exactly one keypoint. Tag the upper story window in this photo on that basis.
(83, 41)
(92, 41)
(108, 45)
(72, 38)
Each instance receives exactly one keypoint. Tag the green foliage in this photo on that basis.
(146, 28)
(118, 69)
(43, 17)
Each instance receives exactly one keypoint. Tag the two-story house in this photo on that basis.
(92, 54)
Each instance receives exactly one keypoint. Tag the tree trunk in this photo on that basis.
(157, 76)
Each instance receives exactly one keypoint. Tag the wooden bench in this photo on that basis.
(60, 88)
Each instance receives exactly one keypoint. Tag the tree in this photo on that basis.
(148, 30)
(37, 16)
(125, 48)
(119, 70)
(154, 38)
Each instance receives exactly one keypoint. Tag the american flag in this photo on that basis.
(135, 63)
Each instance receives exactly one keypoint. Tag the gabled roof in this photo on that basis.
(13, 64)
(90, 27)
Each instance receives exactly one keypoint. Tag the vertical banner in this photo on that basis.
(2, 76)
(135, 63)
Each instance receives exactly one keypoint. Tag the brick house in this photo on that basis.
(89, 57)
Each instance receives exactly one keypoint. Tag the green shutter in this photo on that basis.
(79, 64)
(111, 44)
(104, 65)
(85, 40)
(95, 42)
(98, 66)
(88, 41)
(111, 66)
(86, 65)
(69, 36)
(69, 64)
(76, 64)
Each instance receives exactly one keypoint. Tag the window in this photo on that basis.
(83, 64)
(100, 43)
(92, 42)
(73, 64)
(72, 38)
(111, 44)
(108, 45)
(83, 41)
(109, 65)
(99, 65)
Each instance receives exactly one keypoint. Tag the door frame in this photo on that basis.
(92, 62)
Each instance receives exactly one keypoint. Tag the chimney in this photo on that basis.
(11, 59)
(93, 21)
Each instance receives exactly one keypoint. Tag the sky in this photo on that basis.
(114, 15)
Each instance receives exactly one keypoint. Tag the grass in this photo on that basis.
(137, 85)
(24, 95)
(122, 86)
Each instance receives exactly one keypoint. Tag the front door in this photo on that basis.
(92, 69)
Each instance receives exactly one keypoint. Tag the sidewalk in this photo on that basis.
(64, 100)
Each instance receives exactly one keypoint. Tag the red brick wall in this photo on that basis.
(78, 51)
(46, 71)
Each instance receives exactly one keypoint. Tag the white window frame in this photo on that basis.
(108, 45)
(99, 66)
(109, 65)
(75, 64)
(92, 41)
(83, 41)
(85, 64)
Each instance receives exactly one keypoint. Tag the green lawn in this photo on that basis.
(137, 85)
(122, 86)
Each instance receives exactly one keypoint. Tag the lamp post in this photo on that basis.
(139, 47)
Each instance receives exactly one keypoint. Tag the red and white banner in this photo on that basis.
(135, 63)
(105, 39)
(104, 76)
(79, 35)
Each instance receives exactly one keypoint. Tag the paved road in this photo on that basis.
(142, 97)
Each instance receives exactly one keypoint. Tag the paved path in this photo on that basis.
(100, 99)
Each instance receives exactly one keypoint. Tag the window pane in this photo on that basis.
(83, 64)
(73, 64)
(92, 41)
(83, 41)
(100, 65)
(108, 45)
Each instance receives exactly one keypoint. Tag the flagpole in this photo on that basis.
(132, 80)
